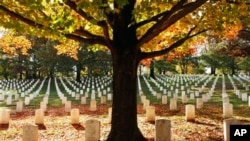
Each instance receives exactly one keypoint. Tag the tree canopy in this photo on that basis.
(131, 29)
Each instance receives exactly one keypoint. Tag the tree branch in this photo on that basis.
(179, 11)
(82, 13)
(157, 17)
(100, 41)
(145, 55)
(21, 18)
(236, 2)
(73, 6)
(79, 35)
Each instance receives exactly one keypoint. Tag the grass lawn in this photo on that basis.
(208, 124)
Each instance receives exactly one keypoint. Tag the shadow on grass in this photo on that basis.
(4, 126)
(41, 127)
(78, 126)
(151, 122)
(202, 123)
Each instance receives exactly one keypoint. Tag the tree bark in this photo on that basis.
(213, 69)
(233, 66)
(78, 72)
(152, 69)
(124, 108)
(20, 75)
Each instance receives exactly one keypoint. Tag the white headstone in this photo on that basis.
(226, 127)
(4, 116)
(30, 133)
(146, 104)
(43, 105)
(190, 112)
(197, 93)
(67, 106)
(19, 106)
(103, 99)
(225, 100)
(158, 96)
(248, 100)
(27, 101)
(9, 100)
(74, 116)
(192, 96)
(109, 96)
(83, 100)
(143, 98)
(244, 97)
(93, 105)
(184, 99)
(173, 104)
(150, 113)
(227, 110)
(162, 130)
(39, 116)
(109, 115)
(92, 131)
(164, 99)
(199, 103)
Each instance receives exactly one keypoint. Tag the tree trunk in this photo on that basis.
(124, 108)
(39, 74)
(233, 66)
(152, 69)
(125, 57)
(78, 72)
(213, 69)
(27, 74)
(21, 75)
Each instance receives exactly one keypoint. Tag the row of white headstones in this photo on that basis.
(150, 110)
(195, 95)
(30, 131)
(162, 85)
(92, 128)
(70, 90)
(190, 109)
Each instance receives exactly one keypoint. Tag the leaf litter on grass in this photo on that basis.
(57, 124)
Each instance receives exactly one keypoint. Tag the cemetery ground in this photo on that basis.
(207, 125)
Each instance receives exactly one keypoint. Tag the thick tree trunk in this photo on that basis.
(124, 108)
(125, 62)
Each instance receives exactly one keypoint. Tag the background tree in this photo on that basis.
(164, 66)
(182, 58)
(244, 64)
(46, 56)
(16, 49)
(124, 27)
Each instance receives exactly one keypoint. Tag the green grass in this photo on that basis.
(216, 99)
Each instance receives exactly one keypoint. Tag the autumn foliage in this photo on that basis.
(15, 45)
(69, 48)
